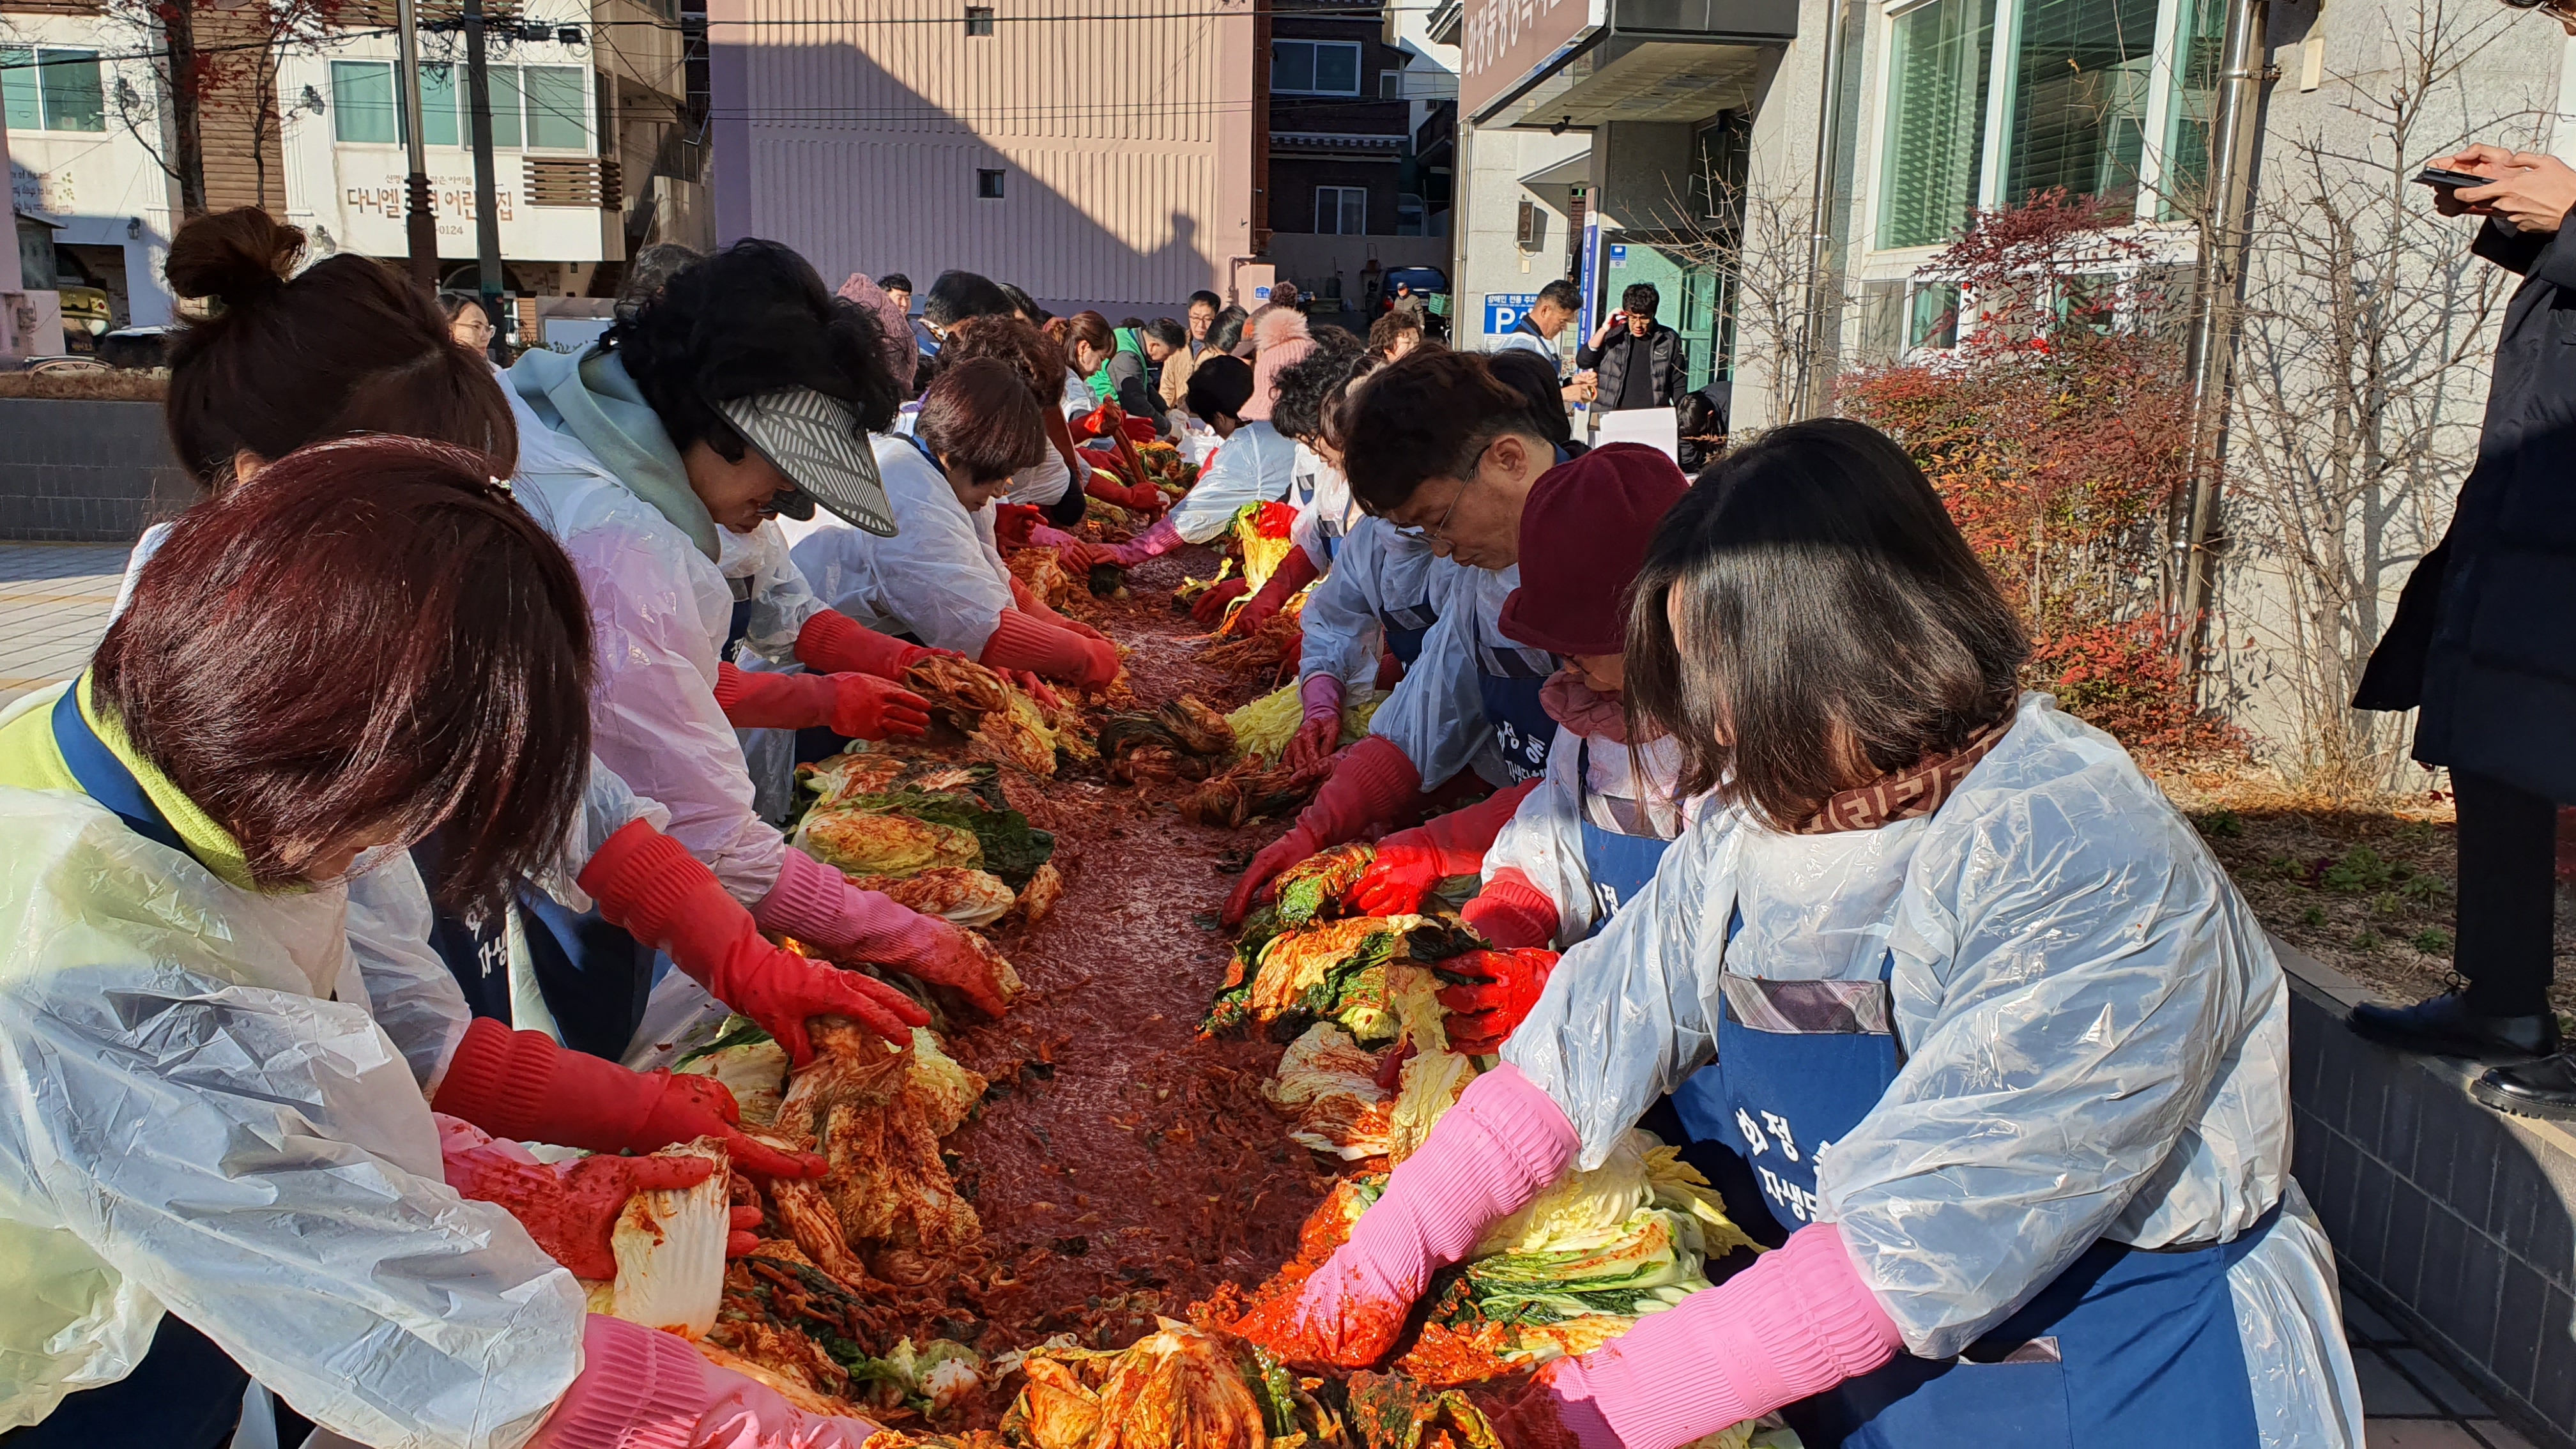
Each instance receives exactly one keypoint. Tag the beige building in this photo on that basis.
(1097, 161)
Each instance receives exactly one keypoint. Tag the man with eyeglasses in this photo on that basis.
(2481, 645)
(1442, 448)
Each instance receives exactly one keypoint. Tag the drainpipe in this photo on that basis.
(2211, 359)
(1820, 219)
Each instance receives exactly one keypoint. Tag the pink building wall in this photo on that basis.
(1125, 144)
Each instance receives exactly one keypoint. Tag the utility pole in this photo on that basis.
(420, 207)
(487, 210)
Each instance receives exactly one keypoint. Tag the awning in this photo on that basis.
(1652, 60)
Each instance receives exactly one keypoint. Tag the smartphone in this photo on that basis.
(2435, 176)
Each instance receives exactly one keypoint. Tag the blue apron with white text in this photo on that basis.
(2126, 1349)
(1508, 682)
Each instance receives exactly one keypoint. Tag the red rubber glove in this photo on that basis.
(1026, 642)
(1321, 730)
(570, 1213)
(1390, 670)
(1209, 608)
(1410, 862)
(1295, 572)
(832, 643)
(1372, 784)
(1015, 523)
(1512, 911)
(950, 958)
(520, 1085)
(857, 706)
(1100, 422)
(1141, 497)
(1483, 1013)
(649, 885)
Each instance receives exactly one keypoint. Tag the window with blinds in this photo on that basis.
(2186, 158)
(2079, 105)
(1936, 113)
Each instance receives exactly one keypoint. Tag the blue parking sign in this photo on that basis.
(1504, 310)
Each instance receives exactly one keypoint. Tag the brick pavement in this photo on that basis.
(54, 601)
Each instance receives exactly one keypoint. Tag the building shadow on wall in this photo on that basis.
(881, 179)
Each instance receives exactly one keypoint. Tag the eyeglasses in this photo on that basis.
(475, 329)
(1440, 530)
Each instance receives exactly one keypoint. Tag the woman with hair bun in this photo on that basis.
(213, 1166)
(366, 353)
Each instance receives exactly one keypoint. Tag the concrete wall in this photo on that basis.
(1126, 144)
(1489, 197)
(83, 471)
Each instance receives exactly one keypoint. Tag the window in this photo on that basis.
(1390, 85)
(1932, 316)
(1341, 210)
(979, 20)
(1315, 67)
(52, 90)
(554, 96)
(1408, 214)
(1989, 101)
(1721, 149)
(2079, 105)
(362, 103)
(1936, 108)
(442, 98)
(538, 105)
(988, 185)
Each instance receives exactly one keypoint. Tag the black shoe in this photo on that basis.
(2444, 1026)
(2545, 1088)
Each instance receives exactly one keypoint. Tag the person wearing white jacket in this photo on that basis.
(741, 391)
(940, 578)
(1252, 466)
(2005, 1048)
(216, 1161)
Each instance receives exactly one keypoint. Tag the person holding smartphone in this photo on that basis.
(1636, 361)
(2480, 646)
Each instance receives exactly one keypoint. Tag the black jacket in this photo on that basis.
(1661, 351)
(2485, 634)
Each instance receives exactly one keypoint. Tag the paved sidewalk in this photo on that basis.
(54, 600)
(2412, 1402)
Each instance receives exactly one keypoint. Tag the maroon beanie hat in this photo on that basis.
(1584, 532)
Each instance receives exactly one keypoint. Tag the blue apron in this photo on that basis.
(1404, 628)
(185, 1392)
(2127, 1349)
(1617, 865)
(1508, 683)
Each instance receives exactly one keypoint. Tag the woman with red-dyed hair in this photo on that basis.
(213, 1163)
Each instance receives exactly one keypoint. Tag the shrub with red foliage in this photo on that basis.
(2058, 444)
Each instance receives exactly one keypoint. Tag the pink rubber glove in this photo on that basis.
(1410, 862)
(1372, 784)
(1154, 542)
(834, 643)
(1797, 1322)
(1295, 572)
(819, 907)
(1044, 536)
(640, 1388)
(1322, 729)
(521, 1086)
(1511, 911)
(648, 885)
(856, 706)
(1495, 1150)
